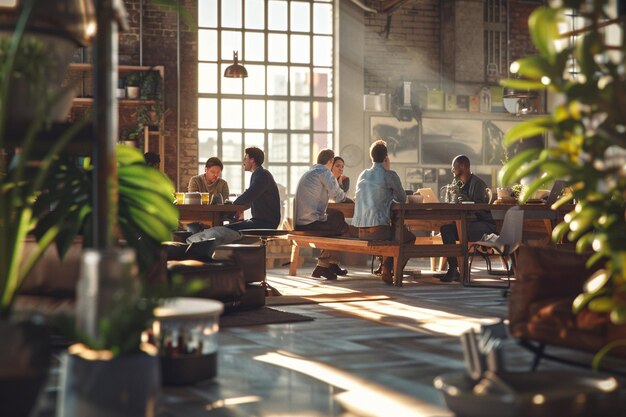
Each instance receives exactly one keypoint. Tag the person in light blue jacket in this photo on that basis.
(376, 189)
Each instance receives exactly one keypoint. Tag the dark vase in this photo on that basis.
(126, 386)
(24, 362)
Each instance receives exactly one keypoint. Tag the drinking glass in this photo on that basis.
(205, 198)
(180, 198)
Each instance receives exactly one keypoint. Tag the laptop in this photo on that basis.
(428, 194)
(555, 192)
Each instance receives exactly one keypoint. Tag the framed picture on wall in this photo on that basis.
(495, 153)
(414, 178)
(401, 137)
(443, 139)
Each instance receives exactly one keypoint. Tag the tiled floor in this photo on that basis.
(360, 358)
(374, 358)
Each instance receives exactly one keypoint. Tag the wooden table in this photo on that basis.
(210, 215)
(431, 216)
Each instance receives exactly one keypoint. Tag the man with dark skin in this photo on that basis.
(471, 188)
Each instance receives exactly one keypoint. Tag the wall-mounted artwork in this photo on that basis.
(414, 178)
(443, 139)
(401, 137)
(495, 153)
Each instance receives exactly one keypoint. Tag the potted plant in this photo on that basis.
(589, 147)
(132, 85)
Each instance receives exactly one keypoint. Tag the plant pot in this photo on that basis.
(132, 92)
(91, 385)
(24, 362)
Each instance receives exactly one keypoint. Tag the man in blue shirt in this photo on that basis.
(315, 188)
(376, 189)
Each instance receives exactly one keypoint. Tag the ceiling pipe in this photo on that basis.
(364, 7)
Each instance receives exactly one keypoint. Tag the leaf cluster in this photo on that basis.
(589, 149)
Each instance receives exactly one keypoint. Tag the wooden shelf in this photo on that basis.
(123, 102)
(150, 136)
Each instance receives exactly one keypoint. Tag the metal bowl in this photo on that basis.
(531, 394)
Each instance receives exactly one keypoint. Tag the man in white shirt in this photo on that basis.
(315, 188)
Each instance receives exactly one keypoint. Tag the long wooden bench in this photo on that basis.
(423, 247)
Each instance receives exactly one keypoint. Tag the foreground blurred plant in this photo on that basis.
(589, 150)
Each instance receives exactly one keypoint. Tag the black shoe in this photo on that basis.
(451, 275)
(336, 269)
(321, 271)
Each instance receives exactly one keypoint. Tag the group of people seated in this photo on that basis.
(377, 188)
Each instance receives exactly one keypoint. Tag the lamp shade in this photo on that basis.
(235, 70)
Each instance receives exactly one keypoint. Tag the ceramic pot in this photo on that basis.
(24, 362)
(126, 386)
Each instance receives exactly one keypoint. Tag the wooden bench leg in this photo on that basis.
(295, 258)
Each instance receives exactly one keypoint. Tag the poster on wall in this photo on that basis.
(401, 137)
(443, 139)
(414, 178)
(495, 152)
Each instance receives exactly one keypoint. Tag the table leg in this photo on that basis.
(269, 290)
(295, 258)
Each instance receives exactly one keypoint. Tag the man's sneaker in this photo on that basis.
(321, 271)
(451, 275)
(336, 269)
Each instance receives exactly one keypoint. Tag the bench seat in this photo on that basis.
(423, 247)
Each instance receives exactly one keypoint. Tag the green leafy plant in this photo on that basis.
(133, 79)
(590, 146)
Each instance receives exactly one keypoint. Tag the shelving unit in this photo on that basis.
(150, 136)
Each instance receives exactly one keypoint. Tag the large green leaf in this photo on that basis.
(512, 167)
(527, 129)
(543, 27)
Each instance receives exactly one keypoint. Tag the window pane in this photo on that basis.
(231, 13)
(207, 113)
(276, 47)
(277, 115)
(322, 82)
(300, 115)
(254, 114)
(255, 14)
(277, 143)
(296, 172)
(322, 18)
(207, 145)
(255, 139)
(233, 174)
(277, 15)
(207, 13)
(230, 85)
(300, 81)
(322, 141)
(231, 41)
(255, 47)
(277, 80)
(300, 145)
(322, 116)
(323, 51)
(231, 113)
(232, 149)
(255, 83)
(207, 41)
(280, 175)
(207, 78)
(300, 49)
(300, 17)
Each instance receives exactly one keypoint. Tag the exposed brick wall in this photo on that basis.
(410, 52)
(413, 49)
(159, 46)
(521, 44)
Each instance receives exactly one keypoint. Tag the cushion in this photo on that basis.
(200, 251)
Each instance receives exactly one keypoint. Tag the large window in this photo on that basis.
(285, 106)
